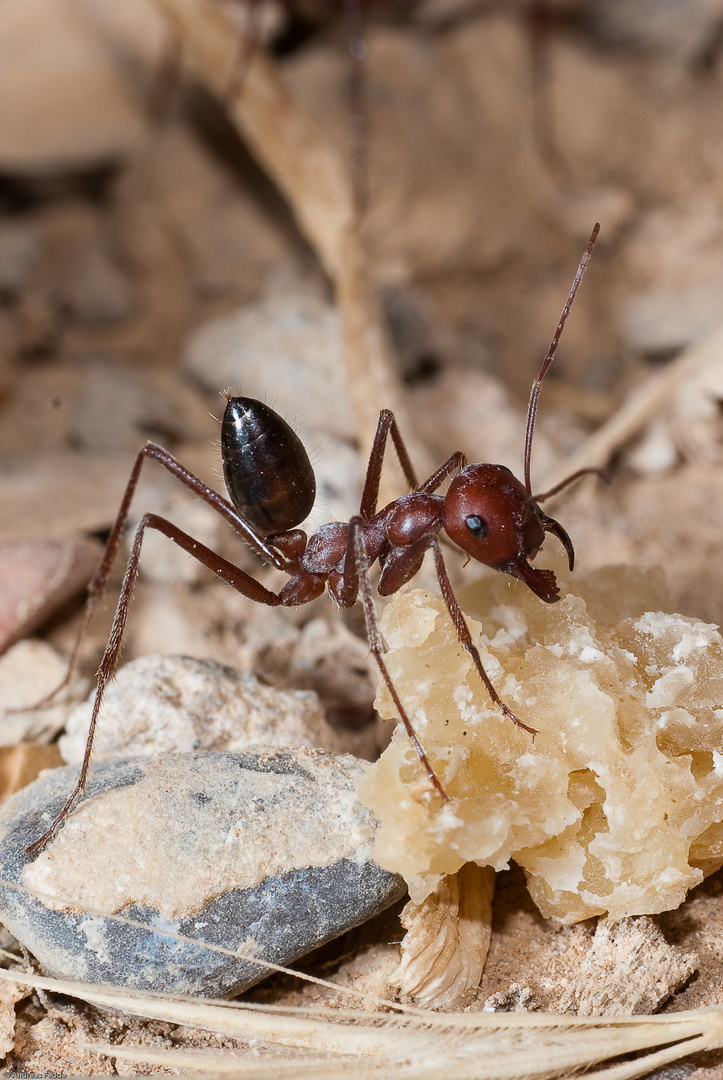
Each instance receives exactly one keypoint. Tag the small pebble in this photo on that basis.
(96, 291)
(162, 703)
(337, 467)
(337, 664)
(673, 255)
(64, 102)
(172, 863)
(231, 246)
(29, 672)
(76, 492)
(629, 968)
(36, 577)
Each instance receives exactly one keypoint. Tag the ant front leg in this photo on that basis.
(232, 575)
(465, 637)
(452, 464)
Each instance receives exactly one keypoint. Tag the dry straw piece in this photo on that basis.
(447, 940)
(697, 366)
(321, 1042)
(312, 176)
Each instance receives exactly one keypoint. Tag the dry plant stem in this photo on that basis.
(308, 172)
(448, 938)
(643, 404)
(317, 1068)
(312, 177)
(486, 1046)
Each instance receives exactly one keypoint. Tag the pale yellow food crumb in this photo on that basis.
(616, 805)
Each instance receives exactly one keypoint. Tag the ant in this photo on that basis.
(486, 512)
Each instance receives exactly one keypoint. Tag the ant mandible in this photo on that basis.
(486, 512)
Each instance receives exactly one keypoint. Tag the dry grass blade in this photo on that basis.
(465, 1046)
(307, 170)
(639, 409)
(314, 180)
(529, 1056)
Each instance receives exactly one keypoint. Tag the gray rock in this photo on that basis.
(172, 864)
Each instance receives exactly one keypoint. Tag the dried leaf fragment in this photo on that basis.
(630, 969)
(10, 994)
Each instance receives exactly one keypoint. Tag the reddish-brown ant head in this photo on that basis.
(488, 513)
(495, 518)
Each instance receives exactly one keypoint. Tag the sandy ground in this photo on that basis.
(132, 214)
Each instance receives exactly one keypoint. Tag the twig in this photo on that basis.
(643, 404)
(311, 175)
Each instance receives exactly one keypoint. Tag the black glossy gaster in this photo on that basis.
(266, 469)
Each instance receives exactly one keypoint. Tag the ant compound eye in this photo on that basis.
(476, 526)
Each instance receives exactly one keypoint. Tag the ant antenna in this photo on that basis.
(537, 384)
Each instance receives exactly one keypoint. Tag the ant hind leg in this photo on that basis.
(232, 575)
(97, 584)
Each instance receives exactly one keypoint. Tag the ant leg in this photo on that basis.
(214, 500)
(232, 575)
(98, 581)
(466, 638)
(456, 461)
(386, 426)
(217, 502)
(358, 584)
